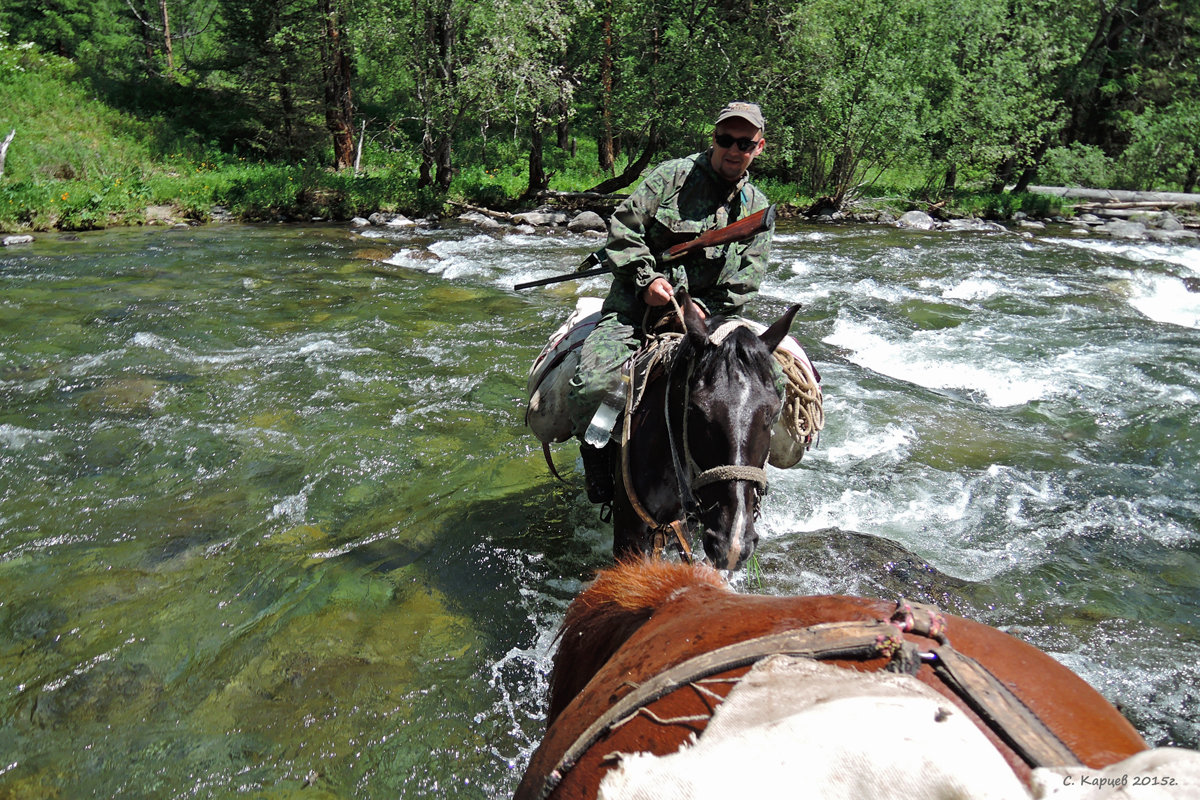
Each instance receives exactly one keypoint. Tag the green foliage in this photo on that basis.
(1003, 205)
(1076, 165)
(1164, 147)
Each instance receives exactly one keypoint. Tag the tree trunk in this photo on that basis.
(288, 107)
(167, 50)
(563, 126)
(604, 147)
(538, 180)
(1030, 172)
(339, 106)
(425, 172)
(1004, 174)
(951, 178)
(635, 169)
(445, 167)
(4, 149)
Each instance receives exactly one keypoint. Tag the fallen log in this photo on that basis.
(1118, 195)
(504, 215)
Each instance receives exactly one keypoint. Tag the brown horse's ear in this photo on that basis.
(773, 335)
(697, 331)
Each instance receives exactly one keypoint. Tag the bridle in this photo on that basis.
(689, 476)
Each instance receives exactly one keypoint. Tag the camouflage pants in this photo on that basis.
(599, 373)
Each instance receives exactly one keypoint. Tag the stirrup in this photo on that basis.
(606, 510)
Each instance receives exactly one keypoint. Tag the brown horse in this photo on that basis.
(651, 649)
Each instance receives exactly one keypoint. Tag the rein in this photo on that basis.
(659, 531)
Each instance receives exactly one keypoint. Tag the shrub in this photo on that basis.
(1077, 164)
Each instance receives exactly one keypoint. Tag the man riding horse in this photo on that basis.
(677, 201)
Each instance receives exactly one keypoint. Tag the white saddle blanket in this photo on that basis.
(798, 728)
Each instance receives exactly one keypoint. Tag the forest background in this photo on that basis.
(275, 109)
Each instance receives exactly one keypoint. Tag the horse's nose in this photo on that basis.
(732, 548)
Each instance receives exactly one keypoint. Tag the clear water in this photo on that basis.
(270, 521)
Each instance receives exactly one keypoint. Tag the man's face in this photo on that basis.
(730, 162)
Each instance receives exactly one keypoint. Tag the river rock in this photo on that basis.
(1032, 224)
(973, 224)
(1166, 221)
(587, 221)
(482, 220)
(541, 219)
(1170, 236)
(359, 222)
(159, 215)
(916, 219)
(1123, 229)
(21, 239)
(400, 221)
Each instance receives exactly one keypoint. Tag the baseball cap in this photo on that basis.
(747, 111)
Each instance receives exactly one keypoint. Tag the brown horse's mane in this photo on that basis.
(608, 612)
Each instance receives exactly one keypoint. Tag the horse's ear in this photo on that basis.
(697, 331)
(773, 335)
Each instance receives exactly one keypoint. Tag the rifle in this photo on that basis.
(744, 228)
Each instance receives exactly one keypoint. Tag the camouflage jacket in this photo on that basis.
(675, 203)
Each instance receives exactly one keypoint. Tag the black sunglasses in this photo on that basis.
(727, 140)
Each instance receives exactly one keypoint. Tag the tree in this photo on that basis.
(336, 75)
(861, 100)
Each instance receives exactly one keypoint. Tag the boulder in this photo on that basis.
(1169, 236)
(1166, 221)
(19, 239)
(482, 220)
(916, 219)
(973, 224)
(541, 219)
(1123, 229)
(587, 221)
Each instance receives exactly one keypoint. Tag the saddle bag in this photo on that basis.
(549, 381)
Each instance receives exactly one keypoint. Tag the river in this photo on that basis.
(270, 521)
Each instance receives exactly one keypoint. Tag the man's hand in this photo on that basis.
(658, 293)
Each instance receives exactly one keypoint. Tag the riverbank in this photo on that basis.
(1166, 217)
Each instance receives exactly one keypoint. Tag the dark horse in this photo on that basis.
(651, 650)
(695, 445)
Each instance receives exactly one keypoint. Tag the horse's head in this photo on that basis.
(732, 405)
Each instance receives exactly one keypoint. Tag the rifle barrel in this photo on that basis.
(570, 276)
